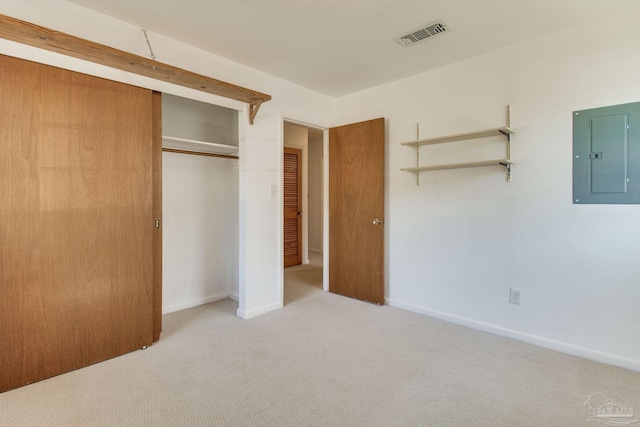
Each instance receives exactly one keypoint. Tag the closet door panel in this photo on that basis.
(76, 220)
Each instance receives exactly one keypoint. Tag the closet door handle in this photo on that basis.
(378, 221)
(158, 223)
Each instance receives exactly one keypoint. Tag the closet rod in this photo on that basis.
(194, 153)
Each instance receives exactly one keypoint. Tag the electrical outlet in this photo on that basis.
(514, 296)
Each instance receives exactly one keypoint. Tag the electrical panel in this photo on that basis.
(606, 155)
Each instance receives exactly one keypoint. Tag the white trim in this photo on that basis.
(194, 303)
(234, 296)
(315, 251)
(325, 210)
(258, 311)
(574, 350)
(304, 121)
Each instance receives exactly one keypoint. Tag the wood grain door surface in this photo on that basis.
(76, 220)
(292, 206)
(356, 200)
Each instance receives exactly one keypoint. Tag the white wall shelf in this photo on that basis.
(460, 137)
(486, 133)
(498, 162)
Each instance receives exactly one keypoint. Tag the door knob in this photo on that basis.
(378, 221)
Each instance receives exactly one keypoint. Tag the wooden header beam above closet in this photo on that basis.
(66, 44)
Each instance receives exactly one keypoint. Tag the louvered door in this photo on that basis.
(292, 207)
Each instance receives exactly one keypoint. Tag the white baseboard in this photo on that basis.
(194, 303)
(315, 251)
(234, 296)
(583, 352)
(258, 311)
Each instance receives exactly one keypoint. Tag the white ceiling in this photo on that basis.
(337, 47)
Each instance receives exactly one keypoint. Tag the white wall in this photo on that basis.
(200, 230)
(260, 166)
(461, 239)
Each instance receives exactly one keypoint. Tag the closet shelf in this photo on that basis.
(197, 146)
(498, 162)
(503, 131)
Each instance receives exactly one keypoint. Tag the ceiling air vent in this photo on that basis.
(430, 30)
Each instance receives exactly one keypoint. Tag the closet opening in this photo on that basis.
(200, 226)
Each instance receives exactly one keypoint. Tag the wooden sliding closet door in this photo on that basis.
(76, 220)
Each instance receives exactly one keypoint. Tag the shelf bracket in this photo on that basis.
(507, 166)
(253, 110)
(417, 165)
(417, 147)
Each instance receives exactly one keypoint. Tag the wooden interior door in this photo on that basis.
(76, 220)
(292, 206)
(356, 210)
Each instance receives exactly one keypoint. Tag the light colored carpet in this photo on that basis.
(323, 360)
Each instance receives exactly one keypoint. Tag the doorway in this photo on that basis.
(309, 271)
(357, 217)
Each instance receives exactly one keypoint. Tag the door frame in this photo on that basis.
(306, 122)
